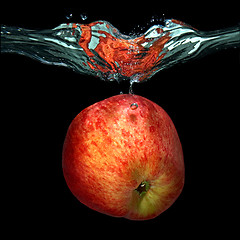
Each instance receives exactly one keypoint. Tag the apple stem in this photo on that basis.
(143, 188)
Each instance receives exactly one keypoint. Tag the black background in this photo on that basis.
(38, 103)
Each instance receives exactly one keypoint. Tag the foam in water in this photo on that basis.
(99, 49)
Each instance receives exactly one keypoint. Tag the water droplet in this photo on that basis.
(163, 17)
(168, 23)
(69, 16)
(152, 20)
(83, 16)
(134, 106)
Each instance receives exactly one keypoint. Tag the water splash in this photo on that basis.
(83, 16)
(99, 49)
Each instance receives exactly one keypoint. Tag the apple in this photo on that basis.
(122, 156)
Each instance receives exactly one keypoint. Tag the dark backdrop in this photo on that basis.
(39, 102)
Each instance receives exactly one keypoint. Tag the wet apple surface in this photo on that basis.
(123, 157)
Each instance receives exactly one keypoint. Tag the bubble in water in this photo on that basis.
(83, 16)
(134, 106)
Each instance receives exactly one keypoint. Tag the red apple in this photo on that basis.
(122, 157)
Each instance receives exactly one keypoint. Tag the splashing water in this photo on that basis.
(100, 50)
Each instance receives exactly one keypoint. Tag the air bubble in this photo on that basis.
(134, 106)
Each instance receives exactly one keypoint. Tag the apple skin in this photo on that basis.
(122, 157)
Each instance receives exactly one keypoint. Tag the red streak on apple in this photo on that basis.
(123, 157)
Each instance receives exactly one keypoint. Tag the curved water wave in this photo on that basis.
(99, 49)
